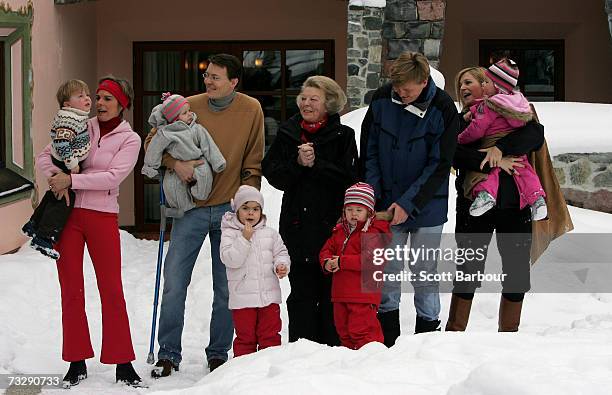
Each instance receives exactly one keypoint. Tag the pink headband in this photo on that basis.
(114, 89)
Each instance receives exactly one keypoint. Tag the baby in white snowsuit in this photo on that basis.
(179, 135)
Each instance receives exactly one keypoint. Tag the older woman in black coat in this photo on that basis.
(312, 160)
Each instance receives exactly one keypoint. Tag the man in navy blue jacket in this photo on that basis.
(408, 140)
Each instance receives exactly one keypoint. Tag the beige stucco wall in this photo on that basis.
(63, 46)
(581, 23)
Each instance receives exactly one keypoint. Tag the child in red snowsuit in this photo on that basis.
(348, 255)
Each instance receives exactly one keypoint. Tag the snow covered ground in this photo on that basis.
(564, 346)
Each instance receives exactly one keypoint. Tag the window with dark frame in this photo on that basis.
(541, 65)
(273, 72)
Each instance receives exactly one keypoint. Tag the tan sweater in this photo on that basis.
(238, 131)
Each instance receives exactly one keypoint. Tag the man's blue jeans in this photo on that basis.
(188, 235)
(426, 294)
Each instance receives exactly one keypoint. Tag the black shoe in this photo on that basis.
(28, 229)
(423, 325)
(390, 325)
(126, 374)
(76, 372)
(163, 368)
(214, 363)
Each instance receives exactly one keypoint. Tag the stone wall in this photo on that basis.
(415, 25)
(586, 179)
(363, 52)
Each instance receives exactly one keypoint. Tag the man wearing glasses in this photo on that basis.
(236, 123)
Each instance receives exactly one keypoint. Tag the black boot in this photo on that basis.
(390, 324)
(126, 374)
(76, 372)
(423, 325)
(163, 368)
(214, 363)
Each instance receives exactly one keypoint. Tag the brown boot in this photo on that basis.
(509, 315)
(459, 314)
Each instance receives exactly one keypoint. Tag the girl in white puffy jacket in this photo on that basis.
(255, 258)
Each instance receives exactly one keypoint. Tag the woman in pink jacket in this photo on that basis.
(255, 258)
(93, 221)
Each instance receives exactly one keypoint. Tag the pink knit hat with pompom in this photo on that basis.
(504, 75)
(171, 108)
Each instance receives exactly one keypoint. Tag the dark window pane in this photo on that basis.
(498, 54)
(148, 102)
(261, 70)
(291, 106)
(538, 71)
(151, 203)
(195, 65)
(301, 64)
(540, 63)
(271, 106)
(161, 70)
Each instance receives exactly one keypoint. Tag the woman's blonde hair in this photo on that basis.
(478, 74)
(335, 98)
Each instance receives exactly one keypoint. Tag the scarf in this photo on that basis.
(308, 129)
(108, 126)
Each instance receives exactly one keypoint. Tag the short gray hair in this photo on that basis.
(335, 98)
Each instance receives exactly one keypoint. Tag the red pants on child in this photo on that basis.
(256, 326)
(101, 233)
(357, 324)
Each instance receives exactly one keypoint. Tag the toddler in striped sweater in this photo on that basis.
(70, 145)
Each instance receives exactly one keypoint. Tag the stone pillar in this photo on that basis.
(376, 36)
(364, 52)
(415, 25)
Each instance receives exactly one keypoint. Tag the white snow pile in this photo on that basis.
(368, 3)
(576, 127)
(564, 346)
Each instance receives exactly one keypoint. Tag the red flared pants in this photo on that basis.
(100, 232)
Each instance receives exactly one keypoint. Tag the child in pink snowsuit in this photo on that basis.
(503, 111)
(255, 258)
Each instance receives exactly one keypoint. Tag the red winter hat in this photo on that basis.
(360, 193)
(504, 75)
